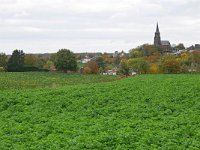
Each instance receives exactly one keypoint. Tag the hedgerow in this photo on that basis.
(30, 80)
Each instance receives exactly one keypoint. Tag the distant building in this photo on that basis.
(116, 54)
(111, 72)
(194, 47)
(86, 60)
(191, 48)
(164, 45)
(119, 54)
(122, 54)
(197, 46)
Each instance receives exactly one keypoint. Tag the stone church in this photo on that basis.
(164, 45)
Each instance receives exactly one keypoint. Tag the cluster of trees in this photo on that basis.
(103, 63)
(63, 60)
(148, 59)
(3, 62)
(143, 59)
(20, 62)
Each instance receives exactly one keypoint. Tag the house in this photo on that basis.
(197, 46)
(133, 73)
(116, 54)
(119, 54)
(194, 47)
(85, 60)
(112, 72)
(191, 48)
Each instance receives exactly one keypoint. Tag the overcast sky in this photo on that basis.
(40, 26)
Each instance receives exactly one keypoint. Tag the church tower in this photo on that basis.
(157, 39)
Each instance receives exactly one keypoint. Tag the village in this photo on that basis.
(159, 57)
(160, 48)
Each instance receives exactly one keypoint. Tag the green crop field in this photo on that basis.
(31, 80)
(142, 112)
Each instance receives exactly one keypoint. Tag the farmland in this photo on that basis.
(32, 80)
(142, 112)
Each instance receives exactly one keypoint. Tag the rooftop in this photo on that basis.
(165, 43)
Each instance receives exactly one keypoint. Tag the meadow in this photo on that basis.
(142, 112)
(32, 80)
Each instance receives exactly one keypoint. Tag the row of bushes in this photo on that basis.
(26, 69)
(168, 64)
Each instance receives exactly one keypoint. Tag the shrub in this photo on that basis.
(124, 68)
(3, 60)
(2, 69)
(170, 64)
(94, 69)
(87, 70)
(153, 69)
(138, 64)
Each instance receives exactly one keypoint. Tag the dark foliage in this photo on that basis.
(16, 61)
(65, 60)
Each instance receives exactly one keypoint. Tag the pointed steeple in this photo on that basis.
(157, 38)
(157, 28)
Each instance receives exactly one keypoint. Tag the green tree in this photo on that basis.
(195, 61)
(108, 59)
(124, 68)
(3, 60)
(16, 61)
(53, 57)
(116, 61)
(30, 60)
(65, 60)
(145, 50)
(49, 65)
(136, 53)
(170, 64)
(139, 65)
(100, 62)
(41, 61)
(180, 46)
(150, 50)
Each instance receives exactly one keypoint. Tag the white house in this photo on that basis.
(86, 60)
(112, 72)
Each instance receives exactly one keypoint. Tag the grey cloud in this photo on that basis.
(104, 25)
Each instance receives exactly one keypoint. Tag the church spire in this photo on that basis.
(157, 28)
(157, 38)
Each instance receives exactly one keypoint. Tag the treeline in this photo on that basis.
(64, 60)
(146, 59)
(141, 60)
(21, 62)
(149, 59)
